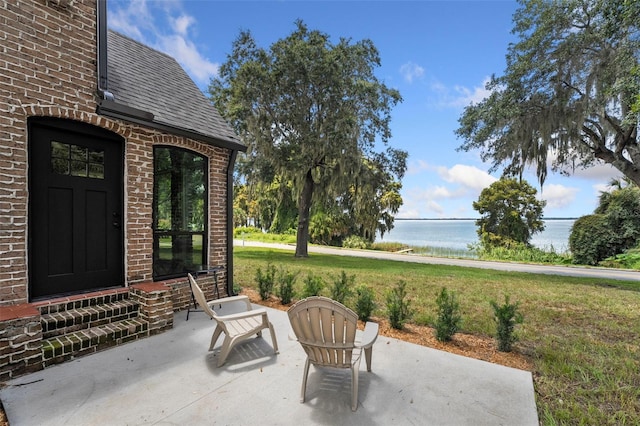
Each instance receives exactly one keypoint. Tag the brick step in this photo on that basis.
(46, 332)
(82, 301)
(65, 347)
(68, 321)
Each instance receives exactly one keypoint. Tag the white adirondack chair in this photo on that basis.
(236, 327)
(327, 330)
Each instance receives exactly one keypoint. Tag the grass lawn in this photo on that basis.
(582, 334)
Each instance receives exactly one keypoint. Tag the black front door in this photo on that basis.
(75, 212)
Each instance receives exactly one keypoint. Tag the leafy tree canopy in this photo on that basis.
(311, 112)
(570, 95)
(510, 213)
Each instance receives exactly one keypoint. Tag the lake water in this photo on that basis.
(458, 233)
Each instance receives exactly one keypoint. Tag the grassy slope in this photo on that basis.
(582, 334)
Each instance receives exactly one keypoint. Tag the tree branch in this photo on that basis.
(572, 87)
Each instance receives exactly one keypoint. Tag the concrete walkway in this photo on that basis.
(171, 379)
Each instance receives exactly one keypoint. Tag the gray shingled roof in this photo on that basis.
(148, 80)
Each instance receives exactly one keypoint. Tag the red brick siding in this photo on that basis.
(48, 68)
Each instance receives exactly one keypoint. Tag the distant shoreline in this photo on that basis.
(472, 218)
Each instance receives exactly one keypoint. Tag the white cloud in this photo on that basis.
(459, 96)
(600, 172)
(465, 96)
(441, 195)
(131, 19)
(601, 187)
(187, 54)
(414, 209)
(407, 213)
(417, 167)
(437, 192)
(558, 196)
(181, 24)
(468, 176)
(138, 20)
(411, 71)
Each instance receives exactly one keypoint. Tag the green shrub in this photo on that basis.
(342, 288)
(245, 230)
(266, 281)
(630, 259)
(389, 246)
(355, 242)
(506, 317)
(313, 285)
(519, 252)
(592, 240)
(237, 288)
(365, 302)
(398, 306)
(449, 318)
(286, 280)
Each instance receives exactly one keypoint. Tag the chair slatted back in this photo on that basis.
(200, 299)
(326, 330)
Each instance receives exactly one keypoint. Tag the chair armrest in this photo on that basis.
(224, 300)
(368, 336)
(240, 315)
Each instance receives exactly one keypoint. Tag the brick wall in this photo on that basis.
(181, 291)
(47, 58)
(155, 306)
(20, 341)
(48, 68)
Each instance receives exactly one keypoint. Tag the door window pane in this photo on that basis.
(75, 160)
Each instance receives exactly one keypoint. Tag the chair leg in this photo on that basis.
(354, 387)
(367, 357)
(274, 341)
(224, 352)
(304, 380)
(214, 338)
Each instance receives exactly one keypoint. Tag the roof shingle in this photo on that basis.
(145, 79)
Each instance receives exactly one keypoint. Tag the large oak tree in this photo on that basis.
(311, 112)
(570, 95)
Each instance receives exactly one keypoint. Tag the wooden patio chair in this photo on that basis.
(236, 327)
(327, 331)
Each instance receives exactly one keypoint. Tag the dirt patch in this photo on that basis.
(478, 347)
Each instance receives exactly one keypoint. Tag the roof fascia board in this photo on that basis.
(122, 112)
(106, 106)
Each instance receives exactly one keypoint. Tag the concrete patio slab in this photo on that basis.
(171, 379)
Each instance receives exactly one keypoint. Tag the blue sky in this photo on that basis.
(438, 54)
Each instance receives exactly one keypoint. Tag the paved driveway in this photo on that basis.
(616, 274)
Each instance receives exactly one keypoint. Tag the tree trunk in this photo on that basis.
(304, 206)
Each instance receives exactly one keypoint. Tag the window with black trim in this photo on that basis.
(179, 212)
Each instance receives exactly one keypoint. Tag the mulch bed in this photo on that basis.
(3, 416)
(478, 347)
